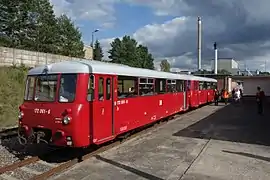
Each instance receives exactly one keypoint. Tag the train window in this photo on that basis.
(143, 81)
(214, 85)
(201, 85)
(101, 89)
(45, 88)
(171, 85)
(29, 88)
(206, 85)
(67, 87)
(150, 81)
(91, 88)
(179, 86)
(188, 85)
(108, 89)
(146, 87)
(127, 87)
(160, 86)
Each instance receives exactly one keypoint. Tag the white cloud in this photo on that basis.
(241, 28)
(101, 11)
(105, 44)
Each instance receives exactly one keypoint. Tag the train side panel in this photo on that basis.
(132, 113)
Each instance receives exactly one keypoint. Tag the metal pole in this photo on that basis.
(199, 43)
(216, 58)
(265, 65)
(92, 43)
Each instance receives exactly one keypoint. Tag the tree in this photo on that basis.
(69, 38)
(165, 66)
(32, 25)
(124, 51)
(145, 59)
(46, 35)
(11, 21)
(97, 51)
(128, 52)
(114, 52)
(28, 24)
(223, 72)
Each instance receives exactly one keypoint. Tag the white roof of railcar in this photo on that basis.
(97, 67)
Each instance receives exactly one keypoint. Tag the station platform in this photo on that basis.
(212, 142)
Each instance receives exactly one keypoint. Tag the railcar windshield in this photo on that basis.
(67, 89)
(43, 88)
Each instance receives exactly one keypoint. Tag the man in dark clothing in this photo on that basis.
(216, 96)
(259, 98)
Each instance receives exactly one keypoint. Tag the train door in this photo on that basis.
(195, 93)
(188, 92)
(185, 94)
(103, 109)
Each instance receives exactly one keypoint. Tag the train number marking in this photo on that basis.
(42, 111)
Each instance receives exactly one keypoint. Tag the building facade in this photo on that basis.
(88, 52)
(228, 64)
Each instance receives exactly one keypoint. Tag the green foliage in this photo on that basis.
(223, 72)
(144, 57)
(115, 51)
(32, 25)
(165, 66)
(97, 51)
(69, 38)
(11, 93)
(128, 52)
(11, 17)
(220, 72)
(264, 73)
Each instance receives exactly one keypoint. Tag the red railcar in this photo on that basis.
(79, 103)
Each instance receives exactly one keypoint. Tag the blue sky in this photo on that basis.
(129, 18)
(169, 28)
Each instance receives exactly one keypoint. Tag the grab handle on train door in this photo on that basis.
(102, 110)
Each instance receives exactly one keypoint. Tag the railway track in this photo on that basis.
(8, 133)
(28, 167)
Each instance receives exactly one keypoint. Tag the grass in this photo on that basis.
(11, 93)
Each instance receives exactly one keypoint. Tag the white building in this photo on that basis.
(88, 52)
(228, 64)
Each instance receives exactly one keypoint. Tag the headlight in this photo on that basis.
(21, 114)
(66, 120)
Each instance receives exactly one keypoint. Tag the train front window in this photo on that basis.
(29, 89)
(67, 88)
(46, 86)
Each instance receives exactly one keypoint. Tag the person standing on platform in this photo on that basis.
(225, 96)
(237, 96)
(260, 99)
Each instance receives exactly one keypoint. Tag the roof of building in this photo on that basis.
(98, 67)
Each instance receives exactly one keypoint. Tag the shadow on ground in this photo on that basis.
(43, 151)
(235, 122)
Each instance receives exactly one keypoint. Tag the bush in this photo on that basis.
(11, 93)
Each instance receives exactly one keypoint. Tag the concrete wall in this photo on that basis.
(250, 84)
(10, 56)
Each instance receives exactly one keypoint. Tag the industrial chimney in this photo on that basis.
(199, 44)
(216, 57)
